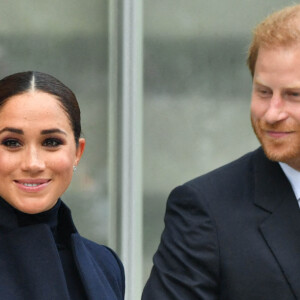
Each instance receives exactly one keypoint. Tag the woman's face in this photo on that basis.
(37, 151)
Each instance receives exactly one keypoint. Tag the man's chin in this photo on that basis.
(281, 154)
(274, 155)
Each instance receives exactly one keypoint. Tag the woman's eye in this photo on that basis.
(52, 142)
(11, 143)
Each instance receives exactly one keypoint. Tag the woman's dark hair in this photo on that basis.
(23, 82)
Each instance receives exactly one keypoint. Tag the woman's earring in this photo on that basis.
(74, 168)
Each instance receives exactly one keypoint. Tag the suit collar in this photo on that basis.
(281, 228)
(271, 186)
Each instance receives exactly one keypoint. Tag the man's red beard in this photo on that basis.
(285, 149)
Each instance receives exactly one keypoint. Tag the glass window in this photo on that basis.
(197, 93)
(68, 39)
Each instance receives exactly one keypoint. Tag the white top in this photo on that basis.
(294, 178)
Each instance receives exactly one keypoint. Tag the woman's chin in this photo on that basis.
(33, 207)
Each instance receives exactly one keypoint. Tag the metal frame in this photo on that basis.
(125, 138)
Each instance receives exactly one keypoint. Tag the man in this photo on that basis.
(234, 233)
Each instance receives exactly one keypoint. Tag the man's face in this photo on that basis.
(275, 105)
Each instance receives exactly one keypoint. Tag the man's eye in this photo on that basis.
(264, 92)
(294, 94)
(52, 142)
(11, 143)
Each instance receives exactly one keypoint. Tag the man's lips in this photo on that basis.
(278, 134)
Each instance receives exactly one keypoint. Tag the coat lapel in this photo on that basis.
(30, 266)
(94, 280)
(281, 229)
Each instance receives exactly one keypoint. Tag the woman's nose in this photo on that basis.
(32, 161)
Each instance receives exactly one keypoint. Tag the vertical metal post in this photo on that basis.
(112, 126)
(125, 138)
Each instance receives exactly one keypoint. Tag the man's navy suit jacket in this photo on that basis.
(231, 234)
(30, 267)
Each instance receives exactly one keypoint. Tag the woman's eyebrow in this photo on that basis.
(53, 130)
(45, 131)
(11, 129)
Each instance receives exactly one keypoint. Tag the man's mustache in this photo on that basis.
(280, 127)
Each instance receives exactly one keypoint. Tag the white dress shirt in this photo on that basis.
(294, 178)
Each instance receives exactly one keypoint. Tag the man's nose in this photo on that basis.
(276, 110)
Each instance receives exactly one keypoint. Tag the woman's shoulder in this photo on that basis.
(105, 254)
(104, 259)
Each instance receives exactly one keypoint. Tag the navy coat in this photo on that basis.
(30, 266)
(232, 234)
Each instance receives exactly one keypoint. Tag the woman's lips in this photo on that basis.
(32, 185)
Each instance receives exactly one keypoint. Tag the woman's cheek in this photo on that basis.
(61, 164)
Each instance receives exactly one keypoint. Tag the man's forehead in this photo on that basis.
(259, 81)
(279, 58)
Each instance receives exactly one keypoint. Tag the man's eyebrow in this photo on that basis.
(293, 87)
(11, 129)
(53, 130)
(258, 82)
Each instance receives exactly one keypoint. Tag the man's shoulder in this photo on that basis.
(237, 172)
(217, 189)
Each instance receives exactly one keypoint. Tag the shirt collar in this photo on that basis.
(294, 178)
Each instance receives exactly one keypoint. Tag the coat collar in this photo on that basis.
(281, 229)
(26, 247)
(9, 219)
(29, 254)
(29, 261)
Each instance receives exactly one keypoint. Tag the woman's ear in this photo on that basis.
(79, 150)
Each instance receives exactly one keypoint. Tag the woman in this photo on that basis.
(42, 256)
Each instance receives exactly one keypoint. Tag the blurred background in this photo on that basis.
(196, 91)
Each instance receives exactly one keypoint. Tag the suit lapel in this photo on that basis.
(281, 229)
